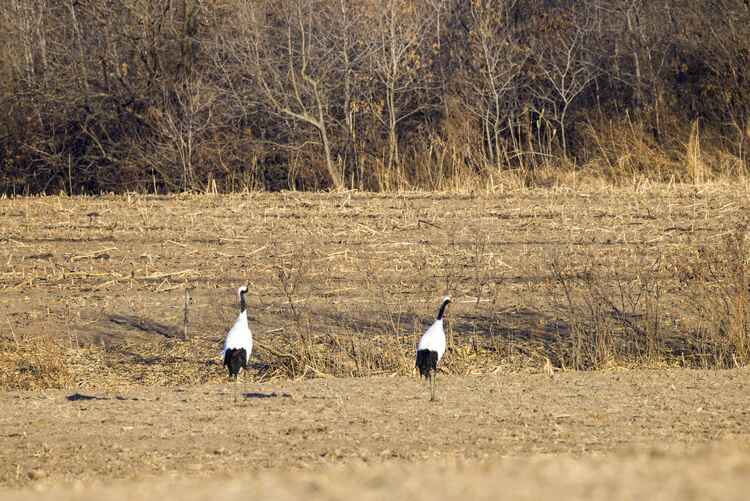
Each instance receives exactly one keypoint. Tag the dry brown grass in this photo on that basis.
(628, 153)
(343, 284)
(718, 302)
(34, 363)
(609, 317)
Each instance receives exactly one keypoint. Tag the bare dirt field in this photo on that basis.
(100, 388)
(581, 423)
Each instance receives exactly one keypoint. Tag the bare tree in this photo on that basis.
(648, 28)
(566, 72)
(279, 48)
(399, 63)
(724, 46)
(493, 64)
(183, 127)
(350, 54)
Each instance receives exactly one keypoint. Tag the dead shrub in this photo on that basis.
(715, 295)
(606, 316)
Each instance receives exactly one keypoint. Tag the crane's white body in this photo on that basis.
(239, 336)
(433, 339)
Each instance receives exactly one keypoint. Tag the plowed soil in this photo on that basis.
(601, 420)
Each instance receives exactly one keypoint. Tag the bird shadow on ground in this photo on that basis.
(369, 323)
(259, 395)
(519, 325)
(78, 397)
(113, 329)
(145, 325)
(505, 331)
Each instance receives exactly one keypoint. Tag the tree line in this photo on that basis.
(113, 95)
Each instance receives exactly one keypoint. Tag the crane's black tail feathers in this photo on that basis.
(234, 360)
(426, 362)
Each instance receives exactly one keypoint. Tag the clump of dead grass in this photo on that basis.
(361, 355)
(625, 150)
(295, 355)
(34, 363)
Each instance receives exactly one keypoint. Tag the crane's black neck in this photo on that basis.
(243, 304)
(441, 311)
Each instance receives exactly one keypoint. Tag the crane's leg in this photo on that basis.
(432, 386)
(242, 381)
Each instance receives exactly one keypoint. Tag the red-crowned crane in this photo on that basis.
(431, 348)
(239, 341)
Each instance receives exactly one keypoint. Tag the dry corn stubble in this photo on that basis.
(343, 284)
